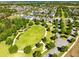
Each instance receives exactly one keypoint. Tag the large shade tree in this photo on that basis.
(9, 41)
(27, 49)
(13, 49)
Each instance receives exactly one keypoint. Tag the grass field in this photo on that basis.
(4, 49)
(31, 36)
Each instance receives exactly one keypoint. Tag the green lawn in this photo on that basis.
(5, 53)
(4, 49)
(49, 34)
(31, 36)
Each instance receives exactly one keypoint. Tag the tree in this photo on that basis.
(14, 29)
(27, 49)
(62, 30)
(62, 26)
(9, 41)
(71, 41)
(63, 48)
(13, 49)
(68, 31)
(1, 28)
(46, 26)
(9, 32)
(37, 22)
(64, 35)
(76, 24)
(43, 24)
(7, 23)
(50, 45)
(44, 39)
(42, 20)
(20, 23)
(25, 21)
(30, 23)
(76, 33)
(53, 37)
(3, 36)
(37, 54)
(55, 30)
(38, 45)
(48, 29)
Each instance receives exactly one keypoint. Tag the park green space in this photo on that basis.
(5, 53)
(31, 36)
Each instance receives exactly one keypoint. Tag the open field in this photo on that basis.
(30, 37)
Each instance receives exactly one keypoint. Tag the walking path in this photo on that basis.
(45, 33)
(15, 38)
(44, 49)
(18, 35)
(58, 43)
(21, 51)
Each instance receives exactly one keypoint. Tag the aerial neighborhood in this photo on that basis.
(38, 29)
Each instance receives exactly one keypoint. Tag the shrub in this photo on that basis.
(37, 54)
(48, 29)
(71, 41)
(37, 22)
(13, 49)
(50, 45)
(46, 26)
(9, 41)
(44, 39)
(53, 37)
(27, 49)
(63, 48)
(30, 23)
(38, 45)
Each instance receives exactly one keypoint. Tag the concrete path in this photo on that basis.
(45, 33)
(44, 49)
(15, 38)
(20, 51)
